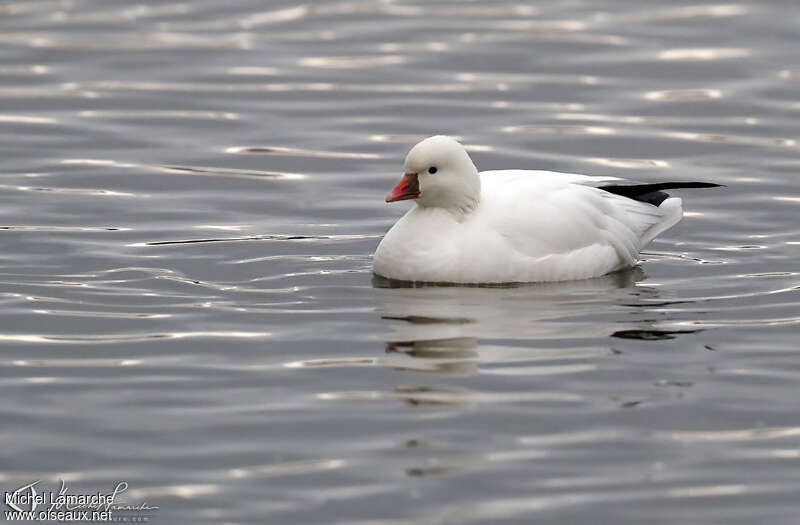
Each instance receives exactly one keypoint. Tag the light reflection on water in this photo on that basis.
(191, 196)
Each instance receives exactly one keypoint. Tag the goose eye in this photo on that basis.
(432, 170)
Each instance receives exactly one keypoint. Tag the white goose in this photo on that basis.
(516, 225)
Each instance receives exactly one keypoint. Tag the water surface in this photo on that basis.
(191, 195)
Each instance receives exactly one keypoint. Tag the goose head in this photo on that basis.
(439, 173)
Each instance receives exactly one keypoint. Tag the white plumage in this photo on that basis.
(511, 225)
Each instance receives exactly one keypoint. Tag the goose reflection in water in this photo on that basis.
(548, 331)
(453, 330)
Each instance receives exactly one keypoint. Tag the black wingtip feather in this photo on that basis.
(653, 193)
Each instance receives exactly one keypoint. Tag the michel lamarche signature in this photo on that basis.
(27, 498)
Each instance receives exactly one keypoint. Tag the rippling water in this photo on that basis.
(191, 194)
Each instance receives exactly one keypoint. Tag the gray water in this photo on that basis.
(191, 196)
